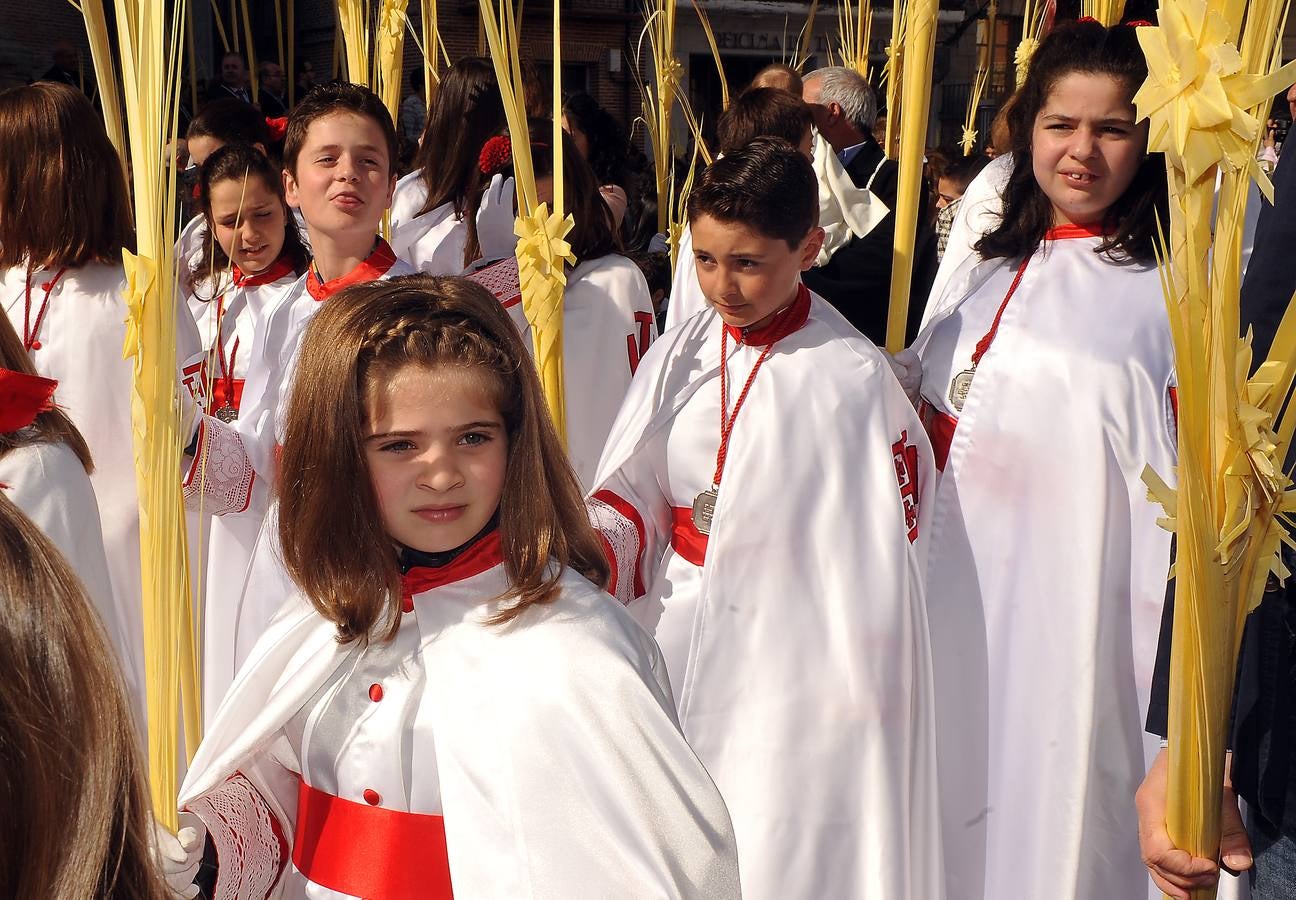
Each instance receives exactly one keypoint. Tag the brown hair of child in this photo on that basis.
(330, 99)
(330, 525)
(63, 197)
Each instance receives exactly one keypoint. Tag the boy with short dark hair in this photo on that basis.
(759, 497)
(756, 112)
(339, 159)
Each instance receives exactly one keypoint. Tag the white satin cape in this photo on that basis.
(807, 690)
(1047, 574)
(562, 772)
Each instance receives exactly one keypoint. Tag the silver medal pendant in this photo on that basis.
(704, 510)
(960, 387)
(227, 413)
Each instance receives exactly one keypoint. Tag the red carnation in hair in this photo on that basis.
(277, 127)
(495, 154)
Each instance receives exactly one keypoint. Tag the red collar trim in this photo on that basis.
(22, 398)
(485, 554)
(374, 266)
(1066, 232)
(278, 269)
(787, 320)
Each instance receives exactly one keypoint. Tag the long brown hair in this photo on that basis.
(63, 198)
(330, 527)
(51, 426)
(74, 813)
(467, 111)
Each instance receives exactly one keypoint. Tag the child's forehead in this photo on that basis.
(726, 235)
(345, 126)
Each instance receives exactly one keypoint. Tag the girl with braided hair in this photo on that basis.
(450, 699)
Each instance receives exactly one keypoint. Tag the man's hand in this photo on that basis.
(1175, 871)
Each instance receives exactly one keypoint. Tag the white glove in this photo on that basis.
(495, 218)
(907, 367)
(178, 856)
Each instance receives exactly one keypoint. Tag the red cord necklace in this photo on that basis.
(227, 412)
(31, 330)
(961, 386)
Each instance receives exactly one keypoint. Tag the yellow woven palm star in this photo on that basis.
(542, 254)
(1197, 97)
(140, 275)
(969, 141)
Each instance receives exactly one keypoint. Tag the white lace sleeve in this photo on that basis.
(220, 479)
(621, 530)
(250, 850)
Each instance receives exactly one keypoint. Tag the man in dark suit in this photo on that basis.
(1263, 737)
(271, 89)
(233, 79)
(857, 279)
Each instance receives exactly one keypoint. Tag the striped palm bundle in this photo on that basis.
(149, 39)
(968, 141)
(920, 51)
(855, 28)
(542, 249)
(893, 74)
(1212, 70)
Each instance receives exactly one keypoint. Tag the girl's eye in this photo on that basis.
(475, 438)
(396, 446)
(263, 214)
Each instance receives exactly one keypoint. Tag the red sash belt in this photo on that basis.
(940, 429)
(685, 538)
(368, 851)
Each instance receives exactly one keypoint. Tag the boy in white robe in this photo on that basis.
(338, 155)
(775, 551)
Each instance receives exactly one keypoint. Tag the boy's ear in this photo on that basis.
(810, 248)
(290, 190)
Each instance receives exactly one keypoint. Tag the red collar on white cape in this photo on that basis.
(278, 269)
(1066, 232)
(784, 322)
(485, 554)
(374, 266)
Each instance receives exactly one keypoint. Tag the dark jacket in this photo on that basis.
(1264, 703)
(857, 279)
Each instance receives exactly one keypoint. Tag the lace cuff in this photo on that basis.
(221, 476)
(250, 849)
(621, 530)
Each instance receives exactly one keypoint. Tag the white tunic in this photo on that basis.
(799, 647)
(433, 242)
(409, 197)
(49, 484)
(549, 746)
(686, 297)
(81, 339)
(227, 540)
(1047, 570)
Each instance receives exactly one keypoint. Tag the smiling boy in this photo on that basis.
(759, 498)
(339, 154)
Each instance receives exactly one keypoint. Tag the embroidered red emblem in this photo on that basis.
(639, 348)
(194, 378)
(905, 457)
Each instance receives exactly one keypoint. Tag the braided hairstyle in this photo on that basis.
(330, 524)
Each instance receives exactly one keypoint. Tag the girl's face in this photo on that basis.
(437, 452)
(248, 220)
(1085, 147)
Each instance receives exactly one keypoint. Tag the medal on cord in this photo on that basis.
(961, 386)
(227, 412)
(705, 502)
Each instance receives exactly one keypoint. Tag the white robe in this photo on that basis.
(549, 746)
(49, 484)
(239, 455)
(686, 297)
(227, 540)
(409, 197)
(81, 340)
(799, 649)
(1047, 571)
(433, 242)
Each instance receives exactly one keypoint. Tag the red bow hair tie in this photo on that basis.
(277, 127)
(22, 398)
(495, 154)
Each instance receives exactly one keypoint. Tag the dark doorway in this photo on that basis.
(704, 84)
